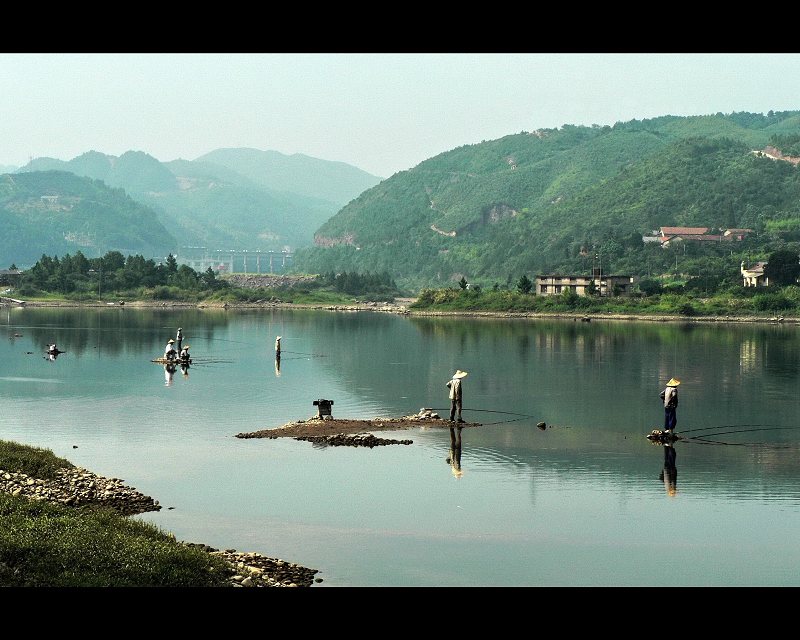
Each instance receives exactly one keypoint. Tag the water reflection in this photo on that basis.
(669, 474)
(115, 330)
(454, 459)
(169, 373)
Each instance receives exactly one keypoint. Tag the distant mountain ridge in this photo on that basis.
(549, 200)
(297, 173)
(212, 204)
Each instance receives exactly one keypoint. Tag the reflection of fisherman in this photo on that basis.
(277, 367)
(185, 369)
(454, 459)
(670, 398)
(179, 338)
(170, 352)
(669, 475)
(169, 371)
(278, 347)
(455, 394)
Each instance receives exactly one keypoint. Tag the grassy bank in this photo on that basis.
(50, 545)
(780, 302)
(63, 526)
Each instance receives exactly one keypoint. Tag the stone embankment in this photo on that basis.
(357, 440)
(266, 281)
(77, 487)
(254, 570)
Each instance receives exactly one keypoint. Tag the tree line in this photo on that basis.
(78, 275)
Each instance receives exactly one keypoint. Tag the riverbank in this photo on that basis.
(74, 490)
(403, 306)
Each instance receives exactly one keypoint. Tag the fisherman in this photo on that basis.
(670, 397)
(179, 338)
(455, 394)
(184, 354)
(52, 348)
(170, 353)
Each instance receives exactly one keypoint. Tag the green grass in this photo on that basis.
(778, 302)
(35, 462)
(49, 545)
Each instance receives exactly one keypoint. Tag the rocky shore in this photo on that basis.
(352, 432)
(78, 487)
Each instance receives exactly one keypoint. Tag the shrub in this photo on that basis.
(772, 302)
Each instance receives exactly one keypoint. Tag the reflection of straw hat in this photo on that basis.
(673, 382)
(460, 374)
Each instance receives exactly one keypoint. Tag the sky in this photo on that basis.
(380, 112)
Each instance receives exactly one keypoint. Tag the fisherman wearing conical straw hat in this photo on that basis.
(455, 394)
(670, 397)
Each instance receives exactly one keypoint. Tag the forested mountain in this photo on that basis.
(555, 200)
(210, 204)
(57, 212)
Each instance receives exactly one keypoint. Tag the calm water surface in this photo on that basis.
(580, 503)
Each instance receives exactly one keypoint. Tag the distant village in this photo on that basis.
(622, 285)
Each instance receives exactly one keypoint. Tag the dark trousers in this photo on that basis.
(670, 418)
(455, 406)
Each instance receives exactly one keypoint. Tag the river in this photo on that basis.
(580, 502)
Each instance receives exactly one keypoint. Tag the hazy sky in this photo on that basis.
(381, 112)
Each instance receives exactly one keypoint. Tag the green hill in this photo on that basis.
(57, 212)
(550, 200)
(209, 204)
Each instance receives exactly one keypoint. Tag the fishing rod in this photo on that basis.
(523, 416)
(703, 438)
(727, 426)
(724, 433)
(302, 353)
(510, 413)
(768, 445)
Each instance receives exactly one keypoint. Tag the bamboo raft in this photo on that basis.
(163, 360)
